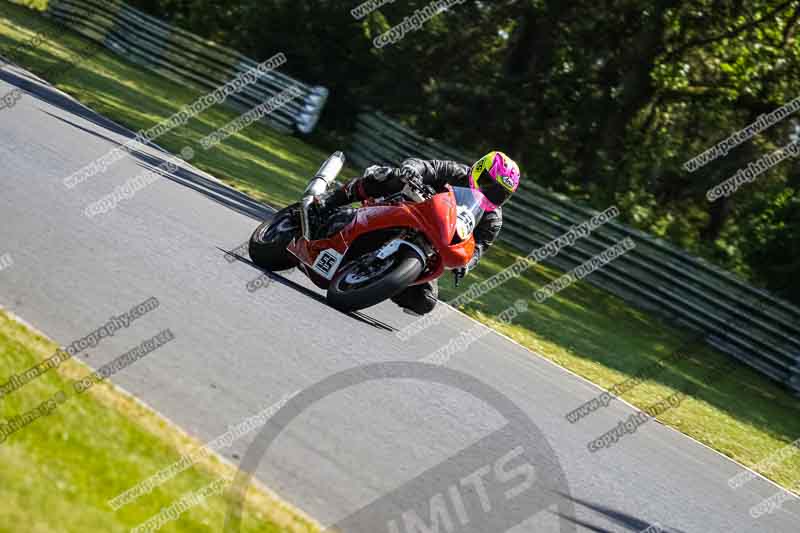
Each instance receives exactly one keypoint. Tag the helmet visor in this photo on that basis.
(494, 191)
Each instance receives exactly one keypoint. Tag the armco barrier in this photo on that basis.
(186, 58)
(740, 320)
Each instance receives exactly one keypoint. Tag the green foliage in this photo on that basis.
(38, 5)
(746, 416)
(604, 101)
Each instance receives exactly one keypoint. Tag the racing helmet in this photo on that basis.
(496, 176)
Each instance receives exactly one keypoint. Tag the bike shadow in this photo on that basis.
(274, 276)
(629, 522)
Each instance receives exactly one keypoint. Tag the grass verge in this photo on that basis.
(596, 335)
(60, 470)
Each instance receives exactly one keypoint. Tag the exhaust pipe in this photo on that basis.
(325, 175)
(319, 184)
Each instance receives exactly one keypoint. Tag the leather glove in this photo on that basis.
(476, 256)
(324, 204)
(459, 273)
(378, 173)
(409, 174)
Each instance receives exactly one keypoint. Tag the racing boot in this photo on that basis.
(418, 299)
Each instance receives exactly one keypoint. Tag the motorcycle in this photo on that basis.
(363, 256)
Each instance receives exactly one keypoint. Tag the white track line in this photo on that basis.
(592, 383)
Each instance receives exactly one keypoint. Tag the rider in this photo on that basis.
(496, 175)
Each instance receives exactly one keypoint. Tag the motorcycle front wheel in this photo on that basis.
(368, 280)
(269, 241)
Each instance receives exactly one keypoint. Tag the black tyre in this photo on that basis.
(269, 241)
(367, 281)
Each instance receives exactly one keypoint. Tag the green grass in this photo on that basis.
(59, 472)
(598, 336)
(262, 163)
(584, 329)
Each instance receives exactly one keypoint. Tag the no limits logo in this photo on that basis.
(504, 479)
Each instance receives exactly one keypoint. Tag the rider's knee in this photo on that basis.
(421, 299)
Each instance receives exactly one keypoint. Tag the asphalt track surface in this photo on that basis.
(236, 352)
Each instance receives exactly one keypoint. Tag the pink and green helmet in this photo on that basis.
(496, 176)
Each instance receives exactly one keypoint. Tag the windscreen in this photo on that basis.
(469, 211)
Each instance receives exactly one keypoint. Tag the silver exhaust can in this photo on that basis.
(325, 175)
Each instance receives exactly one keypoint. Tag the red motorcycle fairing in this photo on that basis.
(435, 218)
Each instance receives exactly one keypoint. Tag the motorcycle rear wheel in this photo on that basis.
(269, 241)
(366, 281)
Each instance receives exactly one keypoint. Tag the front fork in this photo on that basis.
(319, 184)
(305, 224)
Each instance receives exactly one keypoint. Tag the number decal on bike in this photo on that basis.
(465, 222)
(327, 262)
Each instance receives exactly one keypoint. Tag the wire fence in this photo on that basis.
(187, 58)
(743, 321)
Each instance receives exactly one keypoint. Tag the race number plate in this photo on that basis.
(465, 223)
(327, 263)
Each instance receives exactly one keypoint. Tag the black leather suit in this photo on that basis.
(383, 181)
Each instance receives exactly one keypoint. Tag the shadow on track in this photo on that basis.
(215, 190)
(186, 176)
(40, 89)
(358, 315)
(152, 162)
(630, 523)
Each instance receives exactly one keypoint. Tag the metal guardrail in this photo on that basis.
(187, 58)
(730, 315)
